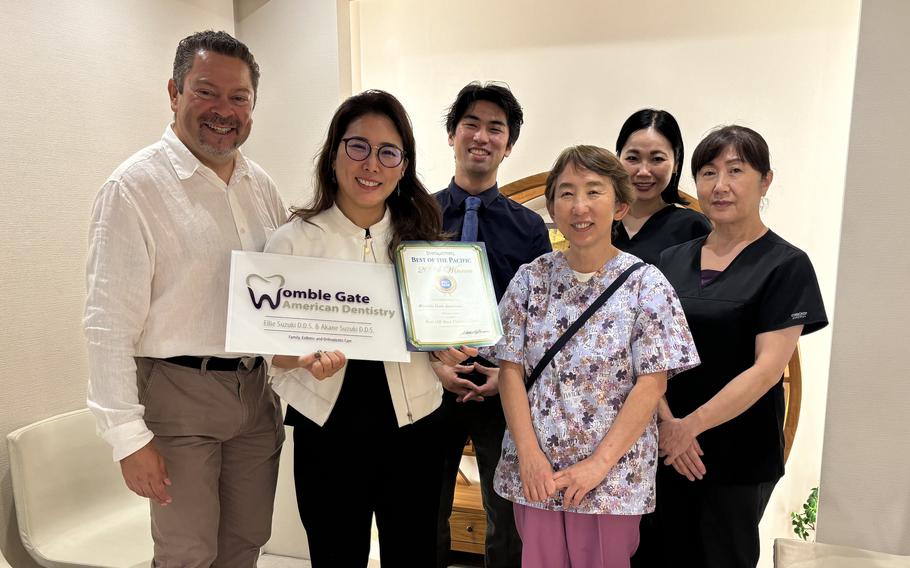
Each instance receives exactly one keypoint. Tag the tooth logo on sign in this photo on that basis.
(266, 288)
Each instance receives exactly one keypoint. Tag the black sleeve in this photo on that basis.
(541, 244)
(791, 296)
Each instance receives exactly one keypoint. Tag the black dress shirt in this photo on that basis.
(513, 234)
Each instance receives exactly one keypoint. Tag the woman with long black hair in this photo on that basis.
(650, 147)
(365, 432)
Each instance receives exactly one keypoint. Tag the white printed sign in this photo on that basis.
(294, 305)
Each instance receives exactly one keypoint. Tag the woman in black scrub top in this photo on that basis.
(650, 148)
(748, 295)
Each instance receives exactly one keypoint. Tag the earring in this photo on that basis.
(335, 181)
(398, 189)
(763, 204)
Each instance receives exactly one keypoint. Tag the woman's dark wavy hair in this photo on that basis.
(663, 122)
(415, 214)
(748, 144)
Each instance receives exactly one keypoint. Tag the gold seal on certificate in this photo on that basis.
(447, 295)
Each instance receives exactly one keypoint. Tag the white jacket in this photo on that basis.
(416, 392)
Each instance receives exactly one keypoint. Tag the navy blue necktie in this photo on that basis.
(469, 228)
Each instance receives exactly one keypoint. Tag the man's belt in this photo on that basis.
(213, 363)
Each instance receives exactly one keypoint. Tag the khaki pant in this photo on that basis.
(220, 433)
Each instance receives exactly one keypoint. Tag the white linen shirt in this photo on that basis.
(160, 240)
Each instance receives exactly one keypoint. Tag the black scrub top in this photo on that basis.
(770, 285)
(669, 226)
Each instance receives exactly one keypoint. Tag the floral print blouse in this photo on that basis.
(640, 330)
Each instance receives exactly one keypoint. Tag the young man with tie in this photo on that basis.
(483, 125)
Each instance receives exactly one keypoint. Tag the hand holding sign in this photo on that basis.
(321, 364)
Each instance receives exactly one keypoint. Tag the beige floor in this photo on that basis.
(273, 561)
(287, 562)
(270, 561)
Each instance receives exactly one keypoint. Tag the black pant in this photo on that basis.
(360, 463)
(485, 423)
(702, 524)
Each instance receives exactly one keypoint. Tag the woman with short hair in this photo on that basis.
(579, 456)
(748, 295)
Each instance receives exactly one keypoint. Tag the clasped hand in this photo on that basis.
(538, 482)
(464, 389)
(579, 479)
(536, 473)
(678, 444)
(449, 364)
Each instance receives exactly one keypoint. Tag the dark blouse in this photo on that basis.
(670, 226)
(770, 285)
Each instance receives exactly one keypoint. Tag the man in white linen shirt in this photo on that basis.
(196, 430)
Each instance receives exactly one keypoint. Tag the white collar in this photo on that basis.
(186, 164)
(337, 221)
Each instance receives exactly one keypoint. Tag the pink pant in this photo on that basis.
(554, 539)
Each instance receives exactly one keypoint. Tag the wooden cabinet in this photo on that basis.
(468, 523)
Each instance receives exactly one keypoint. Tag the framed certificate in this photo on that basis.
(294, 305)
(447, 296)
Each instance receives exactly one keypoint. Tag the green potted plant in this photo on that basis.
(804, 521)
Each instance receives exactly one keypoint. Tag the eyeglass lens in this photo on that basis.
(359, 149)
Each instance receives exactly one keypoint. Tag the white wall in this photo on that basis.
(865, 494)
(580, 68)
(304, 79)
(84, 87)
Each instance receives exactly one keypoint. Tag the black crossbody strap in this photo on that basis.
(576, 325)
